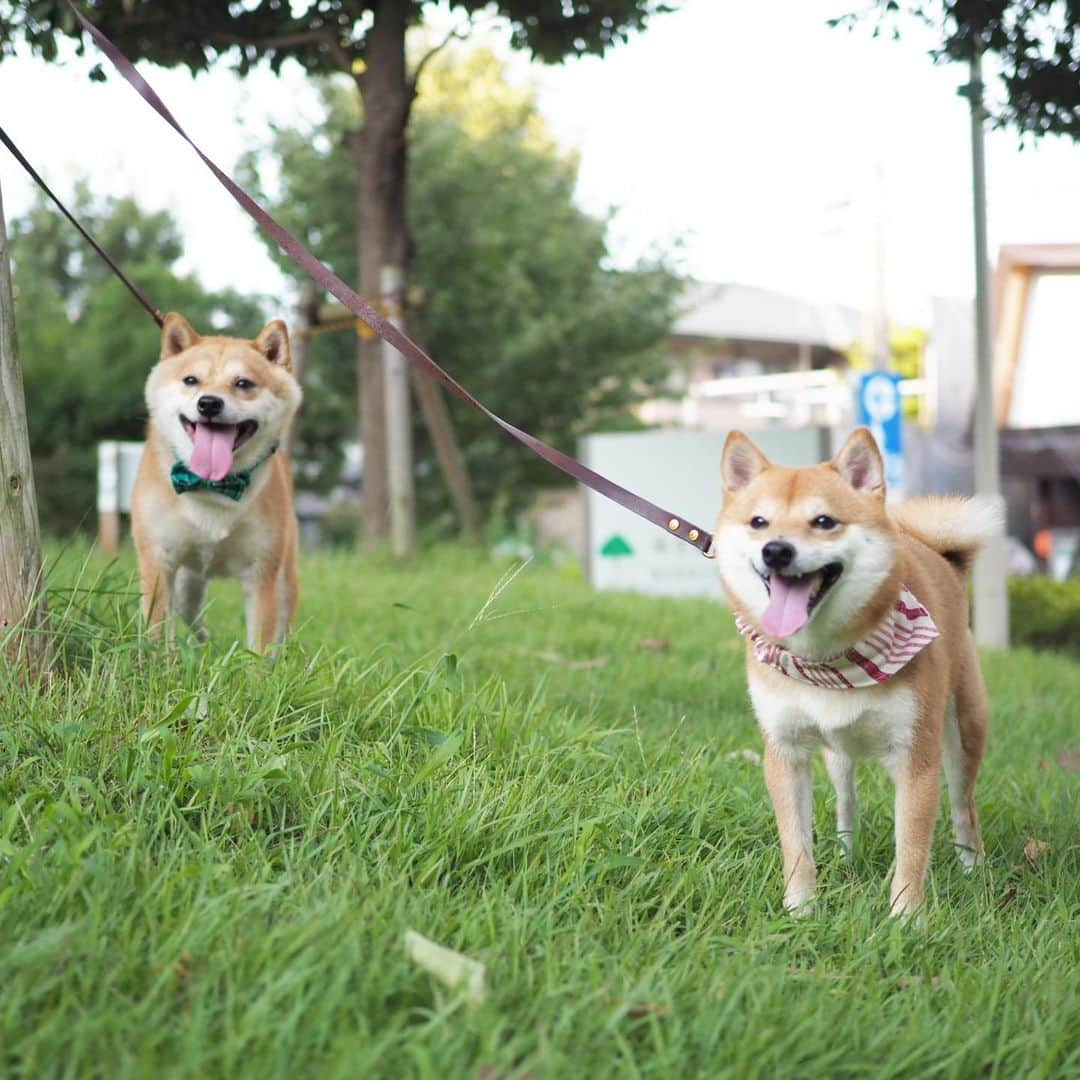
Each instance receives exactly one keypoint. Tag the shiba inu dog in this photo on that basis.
(213, 497)
(856, 615)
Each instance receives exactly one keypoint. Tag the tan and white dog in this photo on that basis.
(212, 497)
(856, 616)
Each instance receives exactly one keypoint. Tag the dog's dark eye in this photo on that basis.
(758, 522)
(244, 384)
(190, 380)
(823, 521)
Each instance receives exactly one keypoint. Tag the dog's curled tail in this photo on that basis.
(956, 528)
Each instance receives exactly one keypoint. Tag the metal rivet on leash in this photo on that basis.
(673, 524)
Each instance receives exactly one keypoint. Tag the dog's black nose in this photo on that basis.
(778, 554)
(210, 405)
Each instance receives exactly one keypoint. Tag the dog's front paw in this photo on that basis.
(969, 857)
(799, 902)
(907, 904)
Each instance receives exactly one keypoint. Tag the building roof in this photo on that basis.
(750, 313)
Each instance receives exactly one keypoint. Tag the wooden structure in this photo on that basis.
(332, 318)
(22, 602)
(1017, 268)
(1041, 465)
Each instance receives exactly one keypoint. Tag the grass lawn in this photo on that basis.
(208, 862)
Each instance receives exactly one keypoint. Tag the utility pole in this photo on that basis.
(991, 592)
(881, 357)
(21, 601)
(399, 451)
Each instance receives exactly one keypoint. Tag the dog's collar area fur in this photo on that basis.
(232, 486)
(875, 659)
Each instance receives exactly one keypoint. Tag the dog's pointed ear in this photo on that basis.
(273, 343)
(859, 463)
(741, 461)
(176, 335)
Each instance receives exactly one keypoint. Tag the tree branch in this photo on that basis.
(454, 34)
(340, 54)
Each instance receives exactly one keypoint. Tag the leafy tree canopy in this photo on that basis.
(513, 292)
(86, 347)
(365, 40)
(324, 36)
(1035, 43)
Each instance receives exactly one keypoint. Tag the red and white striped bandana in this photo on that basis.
(905, 633)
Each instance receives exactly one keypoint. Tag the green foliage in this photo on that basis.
(907, 357)
(208, 862)
(515, 296)
(340, 36)
(1034, 43)
(87, 347)
(323, 37)
(1045, 614)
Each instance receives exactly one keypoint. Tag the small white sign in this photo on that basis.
(680, 471)
(118, 462)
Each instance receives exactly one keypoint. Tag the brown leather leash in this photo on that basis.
(672, 523)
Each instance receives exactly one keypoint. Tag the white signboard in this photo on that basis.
(680, 471)
(118, 462)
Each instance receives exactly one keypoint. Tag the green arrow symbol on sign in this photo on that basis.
(616, 548)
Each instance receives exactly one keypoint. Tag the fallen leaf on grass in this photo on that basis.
(906, 981)
(571, 665)
(182, 967)
(453, 969)
(1007, 896)
(1034, 850)
(654, 644)
(1069, 758)
(744, 755)
(641, 1009)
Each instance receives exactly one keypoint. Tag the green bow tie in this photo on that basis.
(184, 480)
(232, 486)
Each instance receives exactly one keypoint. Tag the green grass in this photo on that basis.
(208, 862)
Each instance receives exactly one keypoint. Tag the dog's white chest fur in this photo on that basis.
(211, 535)
(877, 721)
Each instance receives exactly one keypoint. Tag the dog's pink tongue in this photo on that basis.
(213, 453)
(789, 605)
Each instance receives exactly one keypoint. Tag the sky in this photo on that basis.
(772, 149)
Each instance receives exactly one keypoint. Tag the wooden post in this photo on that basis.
(451, 461)
(432, 401)
(399, 452)
(21, 601)
(108, 497)
(307, 314)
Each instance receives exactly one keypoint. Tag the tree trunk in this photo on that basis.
(20, 544)
(383, 230)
